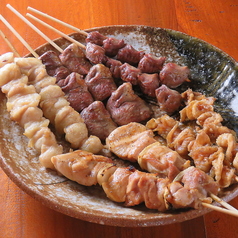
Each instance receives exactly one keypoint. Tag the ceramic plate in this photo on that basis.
(213, 73)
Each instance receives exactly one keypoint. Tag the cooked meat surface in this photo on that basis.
(100, 82)
(76, 91)
(129, 73)
(98, 120)
(169, 100)
(125, 106)
(151, 64)
(149, 83)
(75, 60)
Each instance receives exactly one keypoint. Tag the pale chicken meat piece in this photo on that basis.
(157, 158)
(6, 58)
(129, 140)
(115, 186)
(80, 166)
(194, 188)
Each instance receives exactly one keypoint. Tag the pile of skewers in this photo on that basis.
(106, 173)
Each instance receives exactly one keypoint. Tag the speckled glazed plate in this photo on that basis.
(213, 73)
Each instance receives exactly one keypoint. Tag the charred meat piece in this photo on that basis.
(98, 120)
(96, 38)
(53, 65)
(76, 91)
(100, 82)
(114, 66)
(149, 83)
(112, 45)
(174, 75)
(125, 106)
(151, 64)
(129, 73)
(129, 55)
(169, 100)
(75, 60)
(95, 53)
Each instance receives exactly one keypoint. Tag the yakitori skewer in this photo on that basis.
(34, 28)
(9, 44)
(230, 210)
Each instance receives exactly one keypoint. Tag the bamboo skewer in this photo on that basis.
(9, 44)
(57, 31)
(229, 209)
(58, 21)
(34, 28)
(18, 36)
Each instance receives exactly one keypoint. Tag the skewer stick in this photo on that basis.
(34, 28)
(9, 44)
(18, 36)
(223, 203)
(58, 21)
(57, 31)
(219, 209)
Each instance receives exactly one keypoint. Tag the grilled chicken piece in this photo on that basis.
(129, 140)
(157, 158)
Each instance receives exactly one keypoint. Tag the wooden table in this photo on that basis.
(213, 21)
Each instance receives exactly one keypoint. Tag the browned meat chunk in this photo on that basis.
(95, 53)
(151, 64)
(125, 106)
(129, 55)
(169, 100)
(76, 91)
(96, 38)
(75, 60)
(112, 45)
(98, 120)
(60, 73)
(149, 83)
(129, 73)
(53, 65)
(114, 66)
(100, 82)
(174, 75)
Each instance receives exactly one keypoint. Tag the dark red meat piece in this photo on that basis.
(75, 60)
(100, 82)
(125, 106)
(98, 120)
(76, 91)
(169, 100)
(112, 45)
(151, 64)
(149, 83)
(129, 73)
(114, 66)
(95, 53)
(174, 75)
(129, 55)
(96, 38)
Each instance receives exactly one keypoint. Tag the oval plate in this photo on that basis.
(213, 73)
